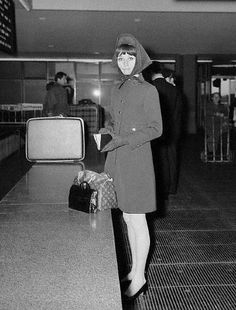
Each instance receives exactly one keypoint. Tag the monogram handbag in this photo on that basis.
(102, 183)
(83, 198)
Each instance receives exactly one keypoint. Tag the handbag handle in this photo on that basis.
(84, 171)
(84, 186)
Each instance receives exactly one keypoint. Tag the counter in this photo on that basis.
(54, 257)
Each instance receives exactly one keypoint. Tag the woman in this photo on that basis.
(136, 117)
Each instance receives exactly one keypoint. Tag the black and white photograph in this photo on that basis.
(117, 155)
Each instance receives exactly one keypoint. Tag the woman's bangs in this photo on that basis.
(125, 48)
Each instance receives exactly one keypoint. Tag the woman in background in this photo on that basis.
(136, 120)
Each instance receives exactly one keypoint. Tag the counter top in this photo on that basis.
(54, 257)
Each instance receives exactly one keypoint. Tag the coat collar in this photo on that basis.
(135, 79)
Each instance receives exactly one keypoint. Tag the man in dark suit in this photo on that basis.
(56, 101)
(165, 152)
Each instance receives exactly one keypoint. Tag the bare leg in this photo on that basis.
(142, 245)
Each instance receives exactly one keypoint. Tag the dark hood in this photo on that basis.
(142, 58)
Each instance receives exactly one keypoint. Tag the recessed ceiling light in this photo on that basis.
(137, 20)
(42, 18)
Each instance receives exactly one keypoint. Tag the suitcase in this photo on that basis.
(86, 102)
(92, 115)
(55, 139)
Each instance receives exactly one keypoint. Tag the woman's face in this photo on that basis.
(126, 63)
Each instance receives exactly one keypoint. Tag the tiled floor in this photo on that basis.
(193, 254)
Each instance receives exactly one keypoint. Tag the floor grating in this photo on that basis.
(193, 254)
(190, 254)
(195, 237)
(190, 220)
(187, 298)
(191, 275)
(192, 261)
(188, 269)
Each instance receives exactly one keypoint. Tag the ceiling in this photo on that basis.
(82, 34)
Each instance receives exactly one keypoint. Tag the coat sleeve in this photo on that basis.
(152, 119)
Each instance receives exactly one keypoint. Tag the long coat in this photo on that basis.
(165, 149)
(136, 114)
(171, 109)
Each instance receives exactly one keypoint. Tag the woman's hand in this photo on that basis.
(116, 142)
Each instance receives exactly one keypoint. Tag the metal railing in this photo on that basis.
(19, 113)
(216, 139)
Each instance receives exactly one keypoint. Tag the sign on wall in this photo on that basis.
(7, 27)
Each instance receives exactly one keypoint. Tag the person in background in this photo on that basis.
(136, 118)
(232, 112)
(69, 90)
(217, 121)
(49, 85)
(169, 76)
(56, 100)
(165, 149)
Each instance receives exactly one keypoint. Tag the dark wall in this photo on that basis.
(22, 82)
